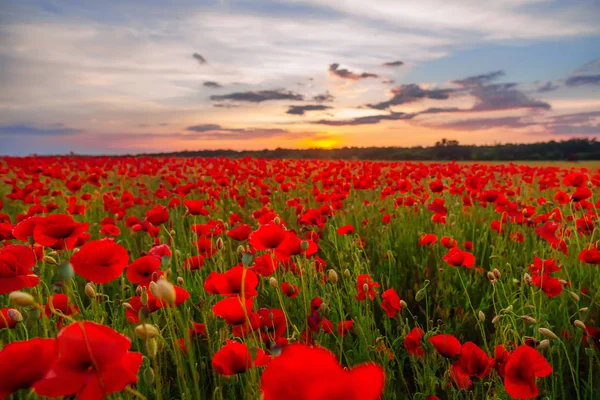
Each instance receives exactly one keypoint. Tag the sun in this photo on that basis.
(320, 141)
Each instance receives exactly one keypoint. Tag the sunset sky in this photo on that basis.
(116, 77)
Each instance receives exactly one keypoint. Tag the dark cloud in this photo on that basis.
(477, 124)
(347, 74)
(203, 127)
(411, 93)
(368, 120)
(439, 110)
(212, 84)
(388, 81)
(393, 64)
(225, 105)
(580, 80)
(324, 98)
(544, 87)
(503, 97)
(31, 130)
(301, 110)
(259, 96)
(199, 58)
(479, 80)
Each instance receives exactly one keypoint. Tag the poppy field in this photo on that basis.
(181, 278)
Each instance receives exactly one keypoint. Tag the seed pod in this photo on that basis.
(497, 273)
(527, 279)
(273, 282)
(21, 299)
(14, 315)
(365, 287)
(332, 276)
(491, 276)
(574, 296)
(128, 306)
(544, 344)
(346, 273)
(509, 309)
(247, 258)
(49, 260)
(172, 232)
(579, 324)
(90, 291)
(481, 316)
(516, 281)
(277, 221)
(528, 319)
(548, 333)
(144, 297)
(304, 245)
(496, 319)
(323, 307)
(146, 331)
(165, 291)
(180, 281)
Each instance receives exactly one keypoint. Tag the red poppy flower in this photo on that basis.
(144, 270)
(290, 290)
(58, 231)
(590, 255)
(234, 310)
(157, 215)
(93, 361)
(412, 342)
(581, 193)
(427, 239)
(344, 327)
(237, 281)
(391, 302)
(240, 232)
(273, 324)
(345, 230)
(195, 207)
(366, 287)
(457, 257)
(24, 363)
(446, 345)
(472, 361)
(448, 242)
(160, 251)
(265, 265)
(194, 263)
(197, 330)
(318, 376)
(273, 237)
(60, 302)
(23, 231)
(100, 261)
(575, 179)
(236, 358)
(523, 366)
(16, 262)
(501, 356)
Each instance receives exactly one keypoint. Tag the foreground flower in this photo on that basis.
(391, 303)
(100, 261)
(459, 258)
(317, 375)
(446, 345)
(93, 361)
(412, 342)
(24, 363)
(59, 231)
(523, 366)
(366, 287)
(234, 282)
(16, 262)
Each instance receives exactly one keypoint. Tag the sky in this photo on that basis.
(122, 77)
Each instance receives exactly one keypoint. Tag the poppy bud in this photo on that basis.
(304, 245)
(508, 309)
(544, 344)
(332, 276)
(152, 347)
(149, 375)
(497, 273)
(139, 290)
(579, 324)
(574, 296)
(563, 282)
(548, 333)
(247, 258)
(168, 273)
(403, 304)
(89, 291)
(49, 260)
(15, 315)
(277, 221)
(481, 316)
(180, 281)
(128, 306)
(323, 307)
(220, 243)
(496, 319)
(527, 279)
(516, 281)
(420, 295)
(491, 276)
(528, 319)
(172, 232)
(273, 282)
(144, 298)
(21, 299)
(146, 331)
(165, 291)
(347, 273)
(584, 309)
(365, 288)
(177, 253)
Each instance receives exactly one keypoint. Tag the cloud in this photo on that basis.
(393, 64)
(32, 130)
(410, 93)
(347, 74)
(200, 58)
(503, 97)
(259, 96)
(203, 128)
(368, 120)
(212, 84)
(580, 80)
(301, 110)
(324, 98)
(545, 87)
(477, 124)
(479, 80)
